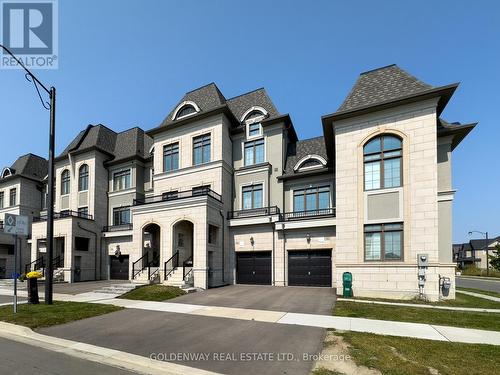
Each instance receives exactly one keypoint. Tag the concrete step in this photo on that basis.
(117, 288)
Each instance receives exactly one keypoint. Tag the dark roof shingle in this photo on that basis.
(382, 85)
(30, 166)
(296, 151)
(240, 104)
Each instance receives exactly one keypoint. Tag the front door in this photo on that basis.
(3, 268)
(78, 269)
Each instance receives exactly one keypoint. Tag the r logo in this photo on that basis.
(27, 27)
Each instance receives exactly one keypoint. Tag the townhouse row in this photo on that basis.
(223, 191)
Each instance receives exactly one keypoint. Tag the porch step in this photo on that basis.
(176, 279)
(117, 288)
(142, 277)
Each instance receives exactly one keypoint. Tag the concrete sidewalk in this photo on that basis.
(380, 327)
(483, 296)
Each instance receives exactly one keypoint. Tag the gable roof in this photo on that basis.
(119, 146)
(301, 149)
(382, 85)
(30, 166)
(482, 243)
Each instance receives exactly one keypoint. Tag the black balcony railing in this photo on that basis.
(253, 212)
(310, 214)
(173, 196)
(117, 228)
(64, 214)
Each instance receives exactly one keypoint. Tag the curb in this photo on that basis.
(489, 278)
(101, 355)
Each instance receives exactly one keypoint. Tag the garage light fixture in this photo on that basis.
(252, 241)
(308, 237)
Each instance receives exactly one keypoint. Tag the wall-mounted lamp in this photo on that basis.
(252, 241)
(308, 237)
(118, 252)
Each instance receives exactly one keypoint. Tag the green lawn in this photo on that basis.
(473, 271)
(402, 356)
(486, 292)
(487, 321)
(154, 293)
(461, 300)
(37, 316)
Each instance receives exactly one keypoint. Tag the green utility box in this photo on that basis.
(347, 284)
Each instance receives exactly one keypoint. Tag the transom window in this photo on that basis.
(201, 149)
(252, 196)
(382, 160)
(383, 242)
(121, 180)
(254, 152)
(83, 178)
(65, 182)
(171, 157)
(121, 215)
(186, 111)
(312, 198)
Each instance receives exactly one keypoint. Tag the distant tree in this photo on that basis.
(495, 258)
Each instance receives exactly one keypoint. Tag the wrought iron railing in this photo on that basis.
(136, 268)
(171, 265)
(187, 267)
(117, 228)
(40, 264)
(253, 212)
(64, 214)
(172, 196)
(310, 214)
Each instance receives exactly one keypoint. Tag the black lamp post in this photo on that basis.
(485, 234)
(50, 194)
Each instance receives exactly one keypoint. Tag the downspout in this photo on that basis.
(95, 248)
(223, 248)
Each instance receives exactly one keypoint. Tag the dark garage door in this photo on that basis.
(118, 269)
(253, 268)
(310, 268)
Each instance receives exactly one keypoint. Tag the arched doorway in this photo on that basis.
(151, 245)
(183, 240)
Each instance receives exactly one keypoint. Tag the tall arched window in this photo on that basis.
(382, 159)
(83, 178)
(65, 182)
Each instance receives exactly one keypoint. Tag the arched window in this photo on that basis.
(65, 182)
(382, 159)
(83, 178)
(254, 114)
(187, 110)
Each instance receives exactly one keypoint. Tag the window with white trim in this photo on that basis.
(254, 152)
(122, 180)
(252, 196)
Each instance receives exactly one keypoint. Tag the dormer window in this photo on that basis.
(254, 130)
(6, 172)
(185, 109)
(309, 162)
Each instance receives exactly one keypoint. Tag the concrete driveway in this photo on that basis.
(228, 346)
(306, 300)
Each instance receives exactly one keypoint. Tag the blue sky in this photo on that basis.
(126, 63)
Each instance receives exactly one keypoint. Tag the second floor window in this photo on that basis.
(1, 199)
(121, 215)
(252, 196)
(121, 180)
(83, 178)
(310, 199)
(201, 149)
(65, 182)
(12, 197)
(171, 157)
(254, 152)
(382, 159)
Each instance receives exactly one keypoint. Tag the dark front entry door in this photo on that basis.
(118, 268)
(310, 268)
(254, 268)
(3, 268)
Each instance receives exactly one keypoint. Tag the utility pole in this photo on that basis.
(50, 201)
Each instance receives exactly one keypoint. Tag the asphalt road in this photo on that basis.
(9, 299)
(21, 359)
(482, 284)
(228, 346)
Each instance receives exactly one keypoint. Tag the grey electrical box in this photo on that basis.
(423, 260)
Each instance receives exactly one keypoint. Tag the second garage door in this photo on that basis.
(118, 267)
(310, 268)
(253, 268)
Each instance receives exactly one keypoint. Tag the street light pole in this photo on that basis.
(485, 234)
(50, 196)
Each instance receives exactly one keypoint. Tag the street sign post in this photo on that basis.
(15, 225)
